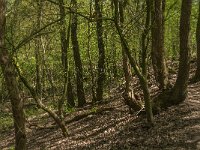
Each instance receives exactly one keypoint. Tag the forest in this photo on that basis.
(100, 74)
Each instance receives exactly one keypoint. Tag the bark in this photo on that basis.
(77, 57)
(126, 70)
(12, 84)
(64, 50)
(158, 52)
(142, 79)
(90, 59)
(197, 74)
(101, 47)
(37, 48)
(39, 103)
(145, 39)
(180, 87)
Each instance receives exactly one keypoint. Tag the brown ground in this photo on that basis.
(177, 128)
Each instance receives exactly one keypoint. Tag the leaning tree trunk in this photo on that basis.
(197, 74)
(12, 84)
(157, 53)
(77, 57)
(180, 88)
(142, 79)
(126, 70)
(101, 61)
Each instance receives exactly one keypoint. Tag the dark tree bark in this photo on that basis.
(145, 38)
(64, 57)
(77, 58)
(9, 73)
(180, 87)
(158, 52)
(126, 70)
(197, 74)
(101, 47)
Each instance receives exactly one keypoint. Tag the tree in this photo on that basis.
(9, 73)
(158, 52)
(141, 77)
(77, 57)
(37, 49)
(197, 74)
(64, 57)
(101, 61)
(180, 87)
(124, 56)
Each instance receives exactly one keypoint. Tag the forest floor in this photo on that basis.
(110, 126)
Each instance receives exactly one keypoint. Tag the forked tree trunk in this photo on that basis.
(101, 61)
(180, 89)
(12, 84)
(158, 52)
(77, 57)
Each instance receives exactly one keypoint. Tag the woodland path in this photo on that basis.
(177, 128)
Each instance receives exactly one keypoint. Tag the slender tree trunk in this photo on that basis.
(158, 52)
(142, 79)
(145, 38)
(89, 58)
(64, 49)
(77, 58)
(12, 84)
(180, 87)
(197, 74)
(37, 48)
(101, 47)
(126, 70)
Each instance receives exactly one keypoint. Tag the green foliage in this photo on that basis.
(6, 121)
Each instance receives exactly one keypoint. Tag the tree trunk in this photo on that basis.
(101, 61)
(158, 52)
(142, 79)
(197, 74)
(37, 48)
(180, 87)
(64, 57)
(126, 70)
(77, 58)
(12, 84)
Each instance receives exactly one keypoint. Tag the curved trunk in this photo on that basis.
(180, 87)
(9, 73)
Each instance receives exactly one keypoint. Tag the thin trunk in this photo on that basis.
(89, 57)
(180, 87)
(126, 70)
(37, 48)
(145, 38)
(197, 74)
(12, 84)
(158, 52)
(77, 57)
(64, 49)
(101, 61)
(142, 79)
(39, 103)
